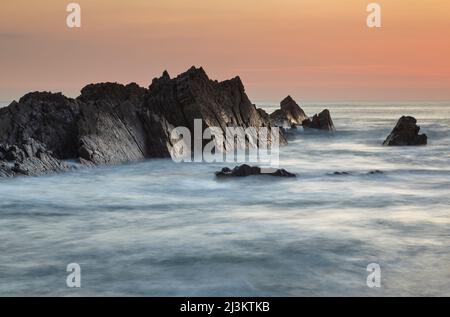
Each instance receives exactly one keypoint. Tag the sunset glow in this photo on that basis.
(314, 50)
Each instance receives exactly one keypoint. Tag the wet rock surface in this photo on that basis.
(339, 173)
(29, 158)
(406, 133)
(247, 170)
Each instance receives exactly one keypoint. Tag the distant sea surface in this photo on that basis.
(157, 228)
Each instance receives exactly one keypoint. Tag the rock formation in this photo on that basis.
(406, 132)
(246, 170)
(28, 158)
(110, 123)
(48, 118)
(290, 114)
(321, 121)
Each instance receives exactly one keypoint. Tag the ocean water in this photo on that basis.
(157, 228)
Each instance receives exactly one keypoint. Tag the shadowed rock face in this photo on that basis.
(406, 132)
(321, 121)
(290, 114)
(28, 158)
(110, 123)
(247, 170)
(48, 118)
(114, 127)
(192, 95)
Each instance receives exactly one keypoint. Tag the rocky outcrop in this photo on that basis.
(321, 121)
(247, 170)
(406, 132)
(48, 118)
(290, 114)
(114, 127)
(110, 123)
(192, 95)
(28, 158)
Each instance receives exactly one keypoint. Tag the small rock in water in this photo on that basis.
(341, 173)
(321, 121)
(289, 116)
(247, 170)
(406, 132)
(375, 172)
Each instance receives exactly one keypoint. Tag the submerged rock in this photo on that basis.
(247, 170)
(341, 174)
(406, 132)
(290, 114)
(374, 172)
(321, 121)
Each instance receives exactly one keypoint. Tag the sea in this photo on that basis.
(160, 228)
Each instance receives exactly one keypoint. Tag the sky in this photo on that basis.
(313, 50)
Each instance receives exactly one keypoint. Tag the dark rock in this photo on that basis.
(114, 127)
(47, 118)
(110, 123)
(246, 170)
(321, 121)
(406, 132)
(28, 158)
(264, 114)
(6, 170)
(375, 172)
(341, 173)
(290, 114)
(192, 95)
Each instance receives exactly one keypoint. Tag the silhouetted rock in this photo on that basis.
(406, 132)
(50, 119)
(192, 95)
(247, 170)
(321, 121)
(290, 114)
(110, 123)
(375, 172)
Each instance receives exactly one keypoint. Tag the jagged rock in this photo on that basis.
(48, 118)
(6, 169)
(192, 95)
(375, 172)
(114, 127)
(321, 121)
(110, 123)
(406, 132)
(290, 114)
(28, 158)
(264, 114)
(247, 170)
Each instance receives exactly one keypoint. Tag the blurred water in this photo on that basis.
(157, 228)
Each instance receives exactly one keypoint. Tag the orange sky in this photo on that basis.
(314, 50)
